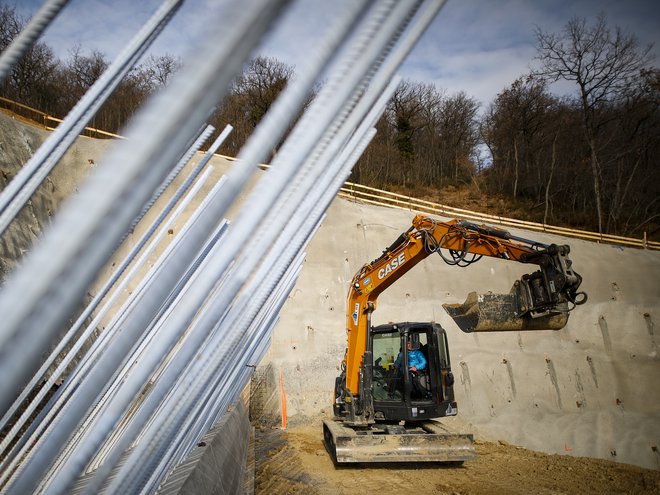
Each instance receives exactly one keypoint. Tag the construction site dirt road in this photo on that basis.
(293, 461)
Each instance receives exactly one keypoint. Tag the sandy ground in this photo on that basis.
(294, 460)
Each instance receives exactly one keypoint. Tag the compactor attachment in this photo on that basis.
(427, 441)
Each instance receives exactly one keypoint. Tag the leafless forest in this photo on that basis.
(588, 160)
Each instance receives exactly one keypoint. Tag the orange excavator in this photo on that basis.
(396, 378)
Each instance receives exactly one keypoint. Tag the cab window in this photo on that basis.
(387, 383)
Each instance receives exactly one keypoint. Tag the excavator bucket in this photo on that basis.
(427, 441)
(501, 312)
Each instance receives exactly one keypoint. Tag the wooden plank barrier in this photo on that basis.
(48, 122)
(379, 197)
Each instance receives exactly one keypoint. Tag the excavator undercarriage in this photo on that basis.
(424, 441)
(393, 419)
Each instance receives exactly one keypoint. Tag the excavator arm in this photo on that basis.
(540, 300)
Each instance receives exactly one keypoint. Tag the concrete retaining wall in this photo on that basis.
(586, 390)
(589, 389)
(218, 465)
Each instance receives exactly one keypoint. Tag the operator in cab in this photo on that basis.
(416, 360)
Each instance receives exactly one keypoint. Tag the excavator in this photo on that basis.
(384, 406)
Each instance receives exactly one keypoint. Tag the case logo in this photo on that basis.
(391, 266)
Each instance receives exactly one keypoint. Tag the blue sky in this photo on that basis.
(476, 46)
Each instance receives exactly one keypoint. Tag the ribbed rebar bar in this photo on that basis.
(27, 180)
(267, 135)
(37, 299)
(165, 424)
(90, 358)
(93, 304)
(22, 43)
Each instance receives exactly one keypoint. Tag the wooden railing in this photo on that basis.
(379, 197)
(34, 116)
(371, 195)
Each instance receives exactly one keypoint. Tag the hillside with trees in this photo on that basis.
(586, 160)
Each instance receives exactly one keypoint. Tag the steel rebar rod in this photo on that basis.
(32, 174)
(90, 358)
(91, 307)
(270, 132)
(105, 207)
(26, 38)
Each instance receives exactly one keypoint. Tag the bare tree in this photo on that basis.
(86, 69)
(424, 137)
(407, 115)
(122, 104)
(601, 63)
(31, 77)
(634, 176)
(458, 131)
(252, 94)
(259, 84)
(10, 25)
(161, 69)
(516, 124)
(553, 162)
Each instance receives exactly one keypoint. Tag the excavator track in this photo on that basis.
(425, 441)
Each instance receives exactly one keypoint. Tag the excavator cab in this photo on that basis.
(412, 378)
(405, 401)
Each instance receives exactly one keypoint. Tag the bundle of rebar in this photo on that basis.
(183, 345)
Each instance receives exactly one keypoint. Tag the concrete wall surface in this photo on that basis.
(218, 464)
(18, 142)
(588, 390)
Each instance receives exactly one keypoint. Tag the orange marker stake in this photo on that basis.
(283, 400)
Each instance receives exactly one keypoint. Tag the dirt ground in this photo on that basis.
(294, 461)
